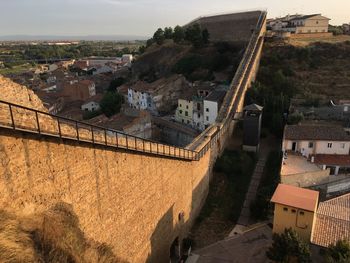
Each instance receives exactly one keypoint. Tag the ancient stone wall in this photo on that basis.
(236, 27)
(130, 201)
(136, 203)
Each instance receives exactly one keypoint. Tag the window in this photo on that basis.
(316, 22)
(342, 145)
(183, 120)
(294, 211)
(180, 105)
(207, 109)
(207, 118)
(188, 122)
(199, 115)
(285, 209)
(186, 113)
(311, 145)
(198, 106)
(301, 213)
(186, 106)
(329, 145)
(180, 111)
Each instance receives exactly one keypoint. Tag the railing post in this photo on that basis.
(37, 121)
(59, 127)
(77, 129)
(12, 119)
(92, 135)
(106, 137)
(127, 142)
(143, 145)
(135, 143)
(116, 138)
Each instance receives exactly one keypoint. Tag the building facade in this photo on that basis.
(295, 208)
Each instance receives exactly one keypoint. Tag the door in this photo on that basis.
(294, 146)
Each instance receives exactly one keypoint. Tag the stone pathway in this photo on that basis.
(244, 218)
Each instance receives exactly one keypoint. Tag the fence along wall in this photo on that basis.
(136, 202)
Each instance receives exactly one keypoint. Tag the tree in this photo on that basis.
(338, 253)
(142, 49)
(178, 34)
(159, 36)
(149, 42)
(168, 33)
(205, 36)
(111, 103)
(288, 247)
(115, 83)
(194, 35)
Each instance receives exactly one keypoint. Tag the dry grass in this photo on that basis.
(53, 236)
(302, 42)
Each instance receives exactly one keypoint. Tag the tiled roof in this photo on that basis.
(296, 197)
(315, 132)
(307, 17)
(332, 159)
(332, 221)
(253, 107)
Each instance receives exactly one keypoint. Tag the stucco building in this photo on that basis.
(327, 146)
(321, 223)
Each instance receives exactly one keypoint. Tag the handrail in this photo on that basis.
(98, 135)
(81, 131)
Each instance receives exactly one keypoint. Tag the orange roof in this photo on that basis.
(332, 221)
(296, 197)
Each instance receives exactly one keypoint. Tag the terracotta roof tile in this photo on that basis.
(315, 132)
(332, 221)
(296, 197)
(332, 159)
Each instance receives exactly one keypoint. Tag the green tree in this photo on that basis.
(179, 34)
(194, 35)
(142, 49)
(159, 36)
(288, 247)
(205, 36)
(115, 83)
(111, 103)
(149, 42)
(168, 33)
(338, 253)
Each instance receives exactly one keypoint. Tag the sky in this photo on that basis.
(140, 17)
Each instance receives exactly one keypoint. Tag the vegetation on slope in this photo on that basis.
(53, 236)
(315, 72)
(233, 171)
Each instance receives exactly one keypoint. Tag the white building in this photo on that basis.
(310, 24)
(140, 97)
(211, 106)
(127, 58)
(324, 145)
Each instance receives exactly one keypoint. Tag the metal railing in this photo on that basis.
(25, 119)
(16, 117)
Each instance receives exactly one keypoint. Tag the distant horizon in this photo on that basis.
(89, 37)
(140, 18)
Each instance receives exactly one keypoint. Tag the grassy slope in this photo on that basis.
(320, 69)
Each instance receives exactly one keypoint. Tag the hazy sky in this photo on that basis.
(140, 17)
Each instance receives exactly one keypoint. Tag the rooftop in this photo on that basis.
(315, 132)
(253, 107)
(307, 17)
(216, 95)
(331, 159)
(296, 197)
(332, 221)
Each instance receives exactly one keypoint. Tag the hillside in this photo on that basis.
(203, 63)
(320, 69)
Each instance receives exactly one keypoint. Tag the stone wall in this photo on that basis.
(130, 201)
(229, 27)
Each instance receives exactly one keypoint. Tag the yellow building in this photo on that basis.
(184, 112)
(294, 208)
